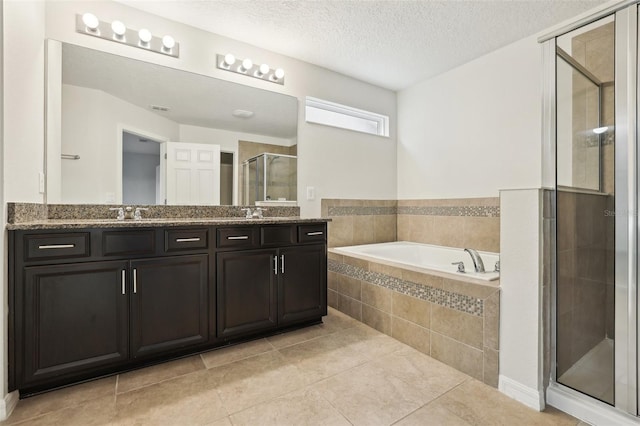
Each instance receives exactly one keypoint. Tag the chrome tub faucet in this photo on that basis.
(478, 265)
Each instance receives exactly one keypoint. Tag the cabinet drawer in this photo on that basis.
(308, 233)
(240, 237)
(276, 235)
(57, 246)
(119, 243)
(185, 239)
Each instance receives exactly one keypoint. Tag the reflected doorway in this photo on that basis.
(140, 170)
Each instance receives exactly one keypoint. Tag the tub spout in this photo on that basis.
(478, 265)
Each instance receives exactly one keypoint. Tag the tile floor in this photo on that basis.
(338, 373)
(593, 373)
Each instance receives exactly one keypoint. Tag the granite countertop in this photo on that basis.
(155, 222)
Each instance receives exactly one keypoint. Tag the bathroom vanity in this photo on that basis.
(89, 299)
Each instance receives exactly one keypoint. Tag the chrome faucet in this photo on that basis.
(477, 260)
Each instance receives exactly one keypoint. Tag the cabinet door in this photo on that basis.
(246, 292)
(75, 319)
(302, 286)
(169, 308)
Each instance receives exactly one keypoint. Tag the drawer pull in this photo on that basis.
(187, 240)
(311, 234)
(55, 246)
(124, 282)
(240, 237)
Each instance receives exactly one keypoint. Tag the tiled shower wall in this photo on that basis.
(585, 278)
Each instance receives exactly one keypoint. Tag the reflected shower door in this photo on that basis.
(585, 309)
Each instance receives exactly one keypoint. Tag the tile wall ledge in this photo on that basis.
(33, 212)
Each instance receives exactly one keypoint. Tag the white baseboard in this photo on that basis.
(587, 409)
(8, 404)
(521, 393)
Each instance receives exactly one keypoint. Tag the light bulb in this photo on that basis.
(279, 73)
(91, 21)
(168, 42)
(229, 59)
(247, 64)
(118, 28)
(144, 35)
(264, 69)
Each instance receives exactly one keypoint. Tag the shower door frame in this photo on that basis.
(627, 159)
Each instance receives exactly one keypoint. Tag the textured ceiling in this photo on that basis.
(392, 44)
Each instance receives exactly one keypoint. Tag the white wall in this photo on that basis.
(24, 99)
(521, 296)
(92, 125)
(338, 163)
(475, 129)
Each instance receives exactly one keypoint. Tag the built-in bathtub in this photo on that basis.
(426, 258)
(411, 292)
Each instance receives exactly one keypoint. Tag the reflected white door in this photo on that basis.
(192, 174)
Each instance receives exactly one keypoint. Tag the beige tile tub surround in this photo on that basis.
(357, 222)
(341, 372)
(453, 321)
(463, 222)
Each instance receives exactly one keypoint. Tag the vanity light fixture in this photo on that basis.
(246, 66)
(90, 22)
(145, 37)
(168, 42)
(229, 60)
(117, 31)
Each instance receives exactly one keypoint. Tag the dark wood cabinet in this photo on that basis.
(78, 318)
(169, 303)
(97, 301)
(302, 283)
(246, 292)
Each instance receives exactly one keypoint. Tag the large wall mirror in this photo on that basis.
(124, 131)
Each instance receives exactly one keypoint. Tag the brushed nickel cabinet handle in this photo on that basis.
(282, 263)
(55, 246)
(187, 240)
(240, 237)
(135, 281)
(124, 282)
(275, 265)
(311, 234)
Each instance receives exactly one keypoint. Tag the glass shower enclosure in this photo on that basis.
(591, 136)
(270, 177)
(585, 192)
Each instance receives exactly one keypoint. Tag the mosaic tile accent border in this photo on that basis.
(361, 210)
(467, 211)
(459, 302)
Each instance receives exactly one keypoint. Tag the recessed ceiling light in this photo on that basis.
(242, 113)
